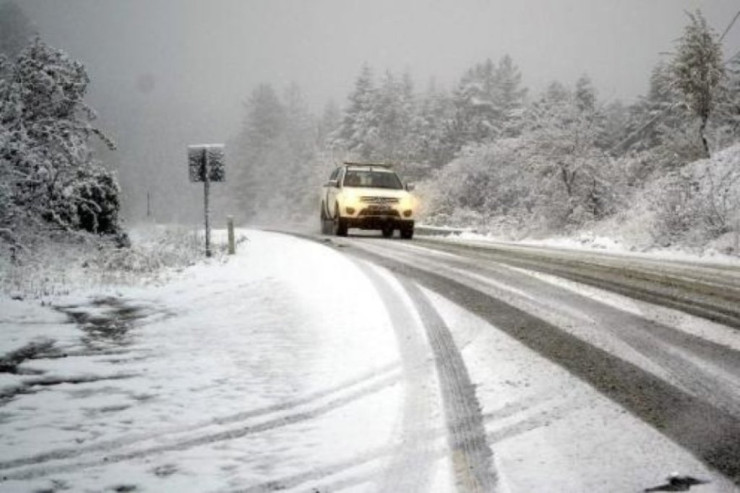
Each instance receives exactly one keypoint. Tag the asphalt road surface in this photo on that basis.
(573, 309)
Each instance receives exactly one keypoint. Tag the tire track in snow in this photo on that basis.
(472, 457)
(274, 417)
(714, 298)
(711, 434)
(342, 475)
(688, 358)
(411, 468)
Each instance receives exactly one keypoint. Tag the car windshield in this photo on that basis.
(372, 179)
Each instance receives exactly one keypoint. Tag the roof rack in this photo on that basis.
(380, 165)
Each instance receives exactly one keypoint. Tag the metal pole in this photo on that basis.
(230, 228)
(206, 192)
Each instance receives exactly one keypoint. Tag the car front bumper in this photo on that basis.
(379, 222)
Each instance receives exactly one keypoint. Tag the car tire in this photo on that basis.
(326, 223)
(407, 233)
(387, 232)
(339, 225)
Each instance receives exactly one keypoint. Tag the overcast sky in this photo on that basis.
(218, 50)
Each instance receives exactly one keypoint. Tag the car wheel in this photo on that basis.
(325, 222)
(407, 233)
(387, 232)
(340, 225)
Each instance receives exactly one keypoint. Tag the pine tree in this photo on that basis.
(328, 123)
(45, 132)
(257, 150)
(359, 126)
(394, 110)
(509, 96)
(655, 113)
(585, 94)
(660, 125)
(431, 128)
(479, 117)
(697, 70)
(276, 156)
(555, 93)
(298, 178)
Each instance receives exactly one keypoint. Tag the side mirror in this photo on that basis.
(410, 187)
(332, 184)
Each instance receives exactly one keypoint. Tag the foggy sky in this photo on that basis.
(216, 51)
(168, 73)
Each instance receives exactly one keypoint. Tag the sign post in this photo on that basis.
(206, 164)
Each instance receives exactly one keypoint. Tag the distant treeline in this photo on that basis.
(488, 151)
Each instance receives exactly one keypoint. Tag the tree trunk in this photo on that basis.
(704, 142)
(568, 179)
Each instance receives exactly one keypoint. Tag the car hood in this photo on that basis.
(378, 192)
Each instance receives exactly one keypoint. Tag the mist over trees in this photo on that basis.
(274, 158)
(491, 154)
(485, 151)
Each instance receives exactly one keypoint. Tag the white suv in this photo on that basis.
(367, 196)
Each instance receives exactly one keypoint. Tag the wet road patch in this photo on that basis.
(107, 322)
(10, 362)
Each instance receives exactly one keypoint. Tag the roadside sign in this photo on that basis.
(206, 164)
(206, 156)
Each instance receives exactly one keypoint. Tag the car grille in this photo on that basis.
(379, 200)
(384, 212)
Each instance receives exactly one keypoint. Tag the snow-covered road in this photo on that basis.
(293, 366)
(262, 370)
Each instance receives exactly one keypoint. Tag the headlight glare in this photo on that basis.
(350, 199)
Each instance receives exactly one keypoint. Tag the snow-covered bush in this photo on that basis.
(485, 181)
(552, 178)
(699, 203)
(48, 170)
(97, 204)
(60, 261)
(153, 249)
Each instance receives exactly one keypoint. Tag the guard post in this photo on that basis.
(206, 164)
(230, 230)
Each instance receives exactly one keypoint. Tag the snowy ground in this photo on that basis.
(257, 369)
(291, 367)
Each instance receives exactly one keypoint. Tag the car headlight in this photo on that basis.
(350, 199)
(407, 203)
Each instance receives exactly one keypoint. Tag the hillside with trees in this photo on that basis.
(487, 153)
(492, 155)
